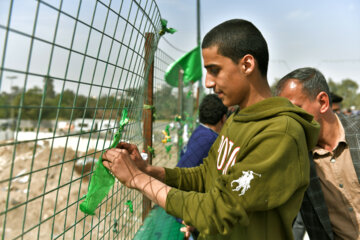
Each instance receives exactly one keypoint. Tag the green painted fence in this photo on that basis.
(67, 70)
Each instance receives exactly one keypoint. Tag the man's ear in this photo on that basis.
(323, 100)
(247, 64)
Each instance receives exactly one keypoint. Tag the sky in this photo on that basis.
(324, 34)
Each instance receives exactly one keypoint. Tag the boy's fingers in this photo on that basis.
(124, 145)
(114, 152)
(131, 148)
(106, 163)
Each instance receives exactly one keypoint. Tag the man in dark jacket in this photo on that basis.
(331, 205)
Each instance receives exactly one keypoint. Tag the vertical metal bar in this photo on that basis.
(148, 113)
(200, 87)
(198, 21)
(180, 112)
(197, 98)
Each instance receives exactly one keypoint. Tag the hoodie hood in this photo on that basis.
(278, 106)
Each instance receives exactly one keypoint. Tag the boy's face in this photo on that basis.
(225, 77)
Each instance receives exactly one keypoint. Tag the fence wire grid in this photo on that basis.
(67, 70)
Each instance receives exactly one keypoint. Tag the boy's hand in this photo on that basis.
(134, 155)
(119, 162)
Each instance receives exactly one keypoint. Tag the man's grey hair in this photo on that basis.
(312, 80)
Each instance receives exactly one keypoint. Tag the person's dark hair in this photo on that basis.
(236, 38)
(335, 98)
(312, 80)
(211, 109)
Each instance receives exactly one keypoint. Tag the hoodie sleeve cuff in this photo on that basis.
(171, 176)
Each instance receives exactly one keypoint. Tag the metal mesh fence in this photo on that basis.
(165, 103)
(67, 70)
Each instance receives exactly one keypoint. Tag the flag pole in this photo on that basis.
(200, 88)
(198, 21)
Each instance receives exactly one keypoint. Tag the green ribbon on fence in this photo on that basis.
(189, 93)
(102, 180)
(152, 107)
(168, 148)
(147, 106)
(166, 132)
(165, 29)
(151, 151)
(130, 204)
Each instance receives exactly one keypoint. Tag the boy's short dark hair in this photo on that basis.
(211, 109)
(236, 38)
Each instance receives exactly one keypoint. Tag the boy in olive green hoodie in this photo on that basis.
(252, 183)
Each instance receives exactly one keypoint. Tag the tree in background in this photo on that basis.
(49, 86)
(5, 106)
(30, 106)
(273, 86)
(67, 105)
(165, 103)
(347, 89)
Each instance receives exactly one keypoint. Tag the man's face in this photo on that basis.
(225, 77)
(293, 91)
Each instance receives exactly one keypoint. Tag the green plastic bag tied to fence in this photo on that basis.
(102, 180)
(165, 29)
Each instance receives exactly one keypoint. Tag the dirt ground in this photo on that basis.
(40, 195)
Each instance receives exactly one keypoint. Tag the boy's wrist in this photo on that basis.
(139, 180)
(148, 169)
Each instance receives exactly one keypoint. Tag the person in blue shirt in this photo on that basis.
(212, 116)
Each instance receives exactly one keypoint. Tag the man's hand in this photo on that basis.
(134, 155)
(119, 162)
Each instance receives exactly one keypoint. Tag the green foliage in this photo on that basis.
(45, 103)
(165, 103)
(31, 103)
(348, 90)
(273, 86)
(49, 86)
(67, 103)
(4, 103)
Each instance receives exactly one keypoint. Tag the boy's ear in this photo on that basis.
(247, 64)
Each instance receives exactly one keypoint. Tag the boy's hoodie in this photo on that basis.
(252, 183)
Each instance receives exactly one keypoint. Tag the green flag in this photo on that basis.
(190, 63)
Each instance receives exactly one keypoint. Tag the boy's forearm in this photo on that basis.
(152, 188)
(156, 172)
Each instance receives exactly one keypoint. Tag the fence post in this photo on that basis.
(148, 112)
(180, 113)
(197, 98)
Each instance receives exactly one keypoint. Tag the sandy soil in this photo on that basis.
(39, 196)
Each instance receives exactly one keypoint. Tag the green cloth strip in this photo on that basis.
(102, 180)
